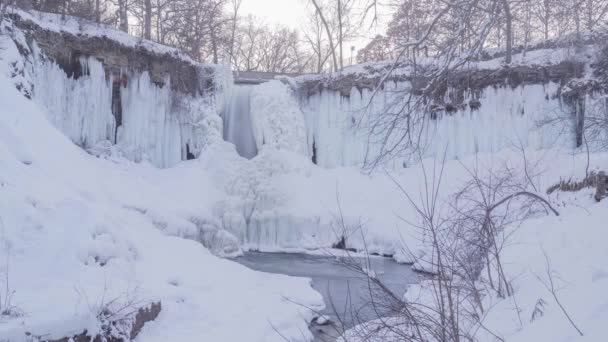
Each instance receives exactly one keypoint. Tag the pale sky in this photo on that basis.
(285, 12)
(292, 13)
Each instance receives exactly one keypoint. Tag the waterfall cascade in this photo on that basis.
(238, 128)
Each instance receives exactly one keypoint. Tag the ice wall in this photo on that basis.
(238, 128)
(339, 127)
(155, 124)
(278, 122)
(81, 108)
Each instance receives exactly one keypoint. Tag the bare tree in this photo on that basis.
(508, 16)
(236, 5)
(328, 32)
(378, 49)
(314, 37)
(148, 19)
(123, 17)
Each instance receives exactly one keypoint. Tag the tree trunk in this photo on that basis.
(159, 22)
(577, 17)
(123, 16)
(213, 44)
(328, 31)
(340, 34)
(508, 30)
(148, 19)
(98, 11)
(602, 184)
(235, 18)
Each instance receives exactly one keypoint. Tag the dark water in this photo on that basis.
(346, 292)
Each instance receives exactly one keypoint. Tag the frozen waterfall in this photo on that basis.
(238, 127)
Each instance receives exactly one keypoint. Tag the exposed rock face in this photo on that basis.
(66, 48)
(481, 107)
(461, 80)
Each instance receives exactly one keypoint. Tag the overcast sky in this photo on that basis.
(286, 12)
(292, 13)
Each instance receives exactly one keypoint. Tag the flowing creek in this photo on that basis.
(344, 290)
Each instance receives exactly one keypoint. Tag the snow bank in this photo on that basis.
(568, 251)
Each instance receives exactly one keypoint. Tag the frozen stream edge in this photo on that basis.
(335, 283)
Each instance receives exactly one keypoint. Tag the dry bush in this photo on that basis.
(464, 238)
(571, 185)
(7, 308)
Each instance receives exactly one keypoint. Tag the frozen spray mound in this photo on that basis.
(278, 122)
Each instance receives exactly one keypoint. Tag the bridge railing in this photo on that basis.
(256, 77)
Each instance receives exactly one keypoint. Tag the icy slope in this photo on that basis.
(79, 232)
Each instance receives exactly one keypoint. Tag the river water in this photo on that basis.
(346, 292)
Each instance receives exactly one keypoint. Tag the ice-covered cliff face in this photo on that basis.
(339, 127)
(141, 120)
(527, 106)
(135, 101)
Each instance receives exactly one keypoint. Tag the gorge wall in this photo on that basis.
(539, 102)
(112, 93)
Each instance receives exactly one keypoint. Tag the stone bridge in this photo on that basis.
(257, 77)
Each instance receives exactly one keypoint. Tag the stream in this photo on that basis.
(344, 291)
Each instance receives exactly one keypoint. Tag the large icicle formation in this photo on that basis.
(238, 128)
(492, 119)
(277, 119)
(131, 98)
(153, 122)
(157, 124)
(80, 108)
